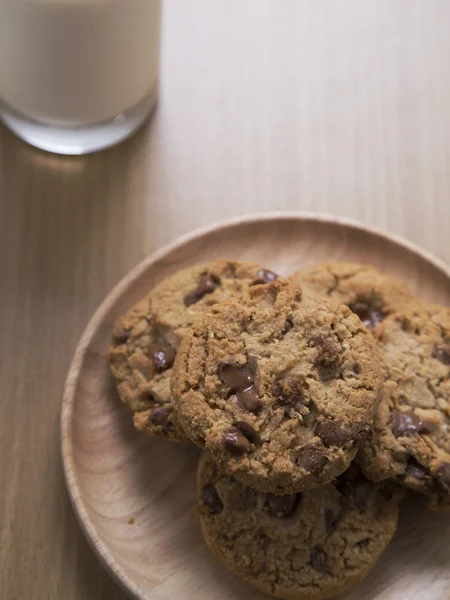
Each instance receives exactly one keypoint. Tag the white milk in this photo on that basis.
(77, 62)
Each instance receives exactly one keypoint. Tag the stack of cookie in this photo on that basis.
(318, 399)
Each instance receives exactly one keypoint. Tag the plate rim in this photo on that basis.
(66, 419)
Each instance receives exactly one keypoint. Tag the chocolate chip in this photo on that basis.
(289, 324)
(443, 475)
(405, 325)
(240, 381)
(442, 353)
(362, 544)
(408, 423)
(162, 357)
(319, 560)
(282, 507)
(211, 499)
(329, 351)
(265, 276)
(330, 518)
(160, 416)
(206, 285)
(249, 399)
(235, 442)
(122, 337)
(235, 377)
(249, 432)
(415, 470)
(254, 369)
(289, 391)
(356, 369)
(313, 459)
(331, 433)
(369, 309)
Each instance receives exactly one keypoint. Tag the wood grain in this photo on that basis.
(135, 497)
(338, 107)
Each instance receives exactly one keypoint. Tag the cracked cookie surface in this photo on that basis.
(279, 390)
(370, 294)
(146, 338)
(411, 441)
(305, 546)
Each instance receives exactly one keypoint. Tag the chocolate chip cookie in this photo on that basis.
(412, 424)
(370, 294)
(303, 546)
(146, 338)
(280, 390)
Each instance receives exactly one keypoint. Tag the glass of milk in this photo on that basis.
(78, 75)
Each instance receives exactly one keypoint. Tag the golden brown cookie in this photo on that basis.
(412, 424)
(370, 294)
(280, 390)
(146, 338)
(305, 546)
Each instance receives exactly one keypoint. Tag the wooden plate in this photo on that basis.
(134, 496)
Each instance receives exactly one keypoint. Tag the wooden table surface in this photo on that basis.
(338, 106)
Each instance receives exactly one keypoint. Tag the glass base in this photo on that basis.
(63, 139)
